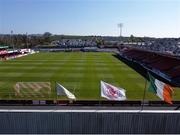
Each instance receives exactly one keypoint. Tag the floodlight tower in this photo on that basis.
(11, 37)
(120, 25)
(12, 42)
(26, 40)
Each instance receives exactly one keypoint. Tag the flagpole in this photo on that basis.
(99, 101)
(142, 106)
(56, 94)
(100, 96)
(74, 93)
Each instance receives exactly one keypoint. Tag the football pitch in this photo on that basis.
(79, 72)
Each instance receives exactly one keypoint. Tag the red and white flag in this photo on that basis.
(111, 92)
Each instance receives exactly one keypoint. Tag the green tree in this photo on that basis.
(46, 37)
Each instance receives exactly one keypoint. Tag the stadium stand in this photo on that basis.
(164, 66)
(6, 53)
(66, 43)
(161, 45)
(3, 52)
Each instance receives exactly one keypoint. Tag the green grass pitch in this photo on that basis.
(79, 72)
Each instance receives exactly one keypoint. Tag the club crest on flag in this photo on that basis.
(111, 92)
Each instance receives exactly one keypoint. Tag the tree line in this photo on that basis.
(25, 41)
(37, 40)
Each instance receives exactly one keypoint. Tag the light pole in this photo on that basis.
(12, 42)
(26, 40)
(120, 26)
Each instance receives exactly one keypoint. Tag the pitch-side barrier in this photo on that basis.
(87, 103)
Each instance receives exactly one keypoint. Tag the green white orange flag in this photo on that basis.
(161, 89)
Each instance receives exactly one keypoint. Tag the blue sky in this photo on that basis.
(155, 18)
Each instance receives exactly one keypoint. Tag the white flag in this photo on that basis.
(111, 92)
(61, 91)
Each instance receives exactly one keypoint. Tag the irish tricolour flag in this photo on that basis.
(161, 89)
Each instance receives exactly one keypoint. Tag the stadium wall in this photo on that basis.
(89, 122)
